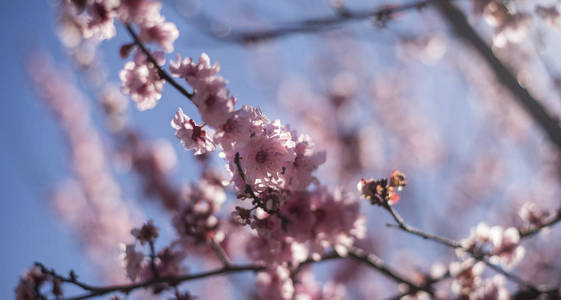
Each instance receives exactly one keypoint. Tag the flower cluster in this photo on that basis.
(94, 20)
(531, 214)
(196, 221)
(382, 191)
(272, 165)
(502, 245)
(30, 283)
(166, 262)
(141, 80)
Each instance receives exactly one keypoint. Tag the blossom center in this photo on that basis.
(261, 156)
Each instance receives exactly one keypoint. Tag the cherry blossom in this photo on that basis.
(192, 136)
(141, 80)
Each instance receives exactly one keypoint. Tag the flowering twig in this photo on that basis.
(163, 74)
(248, 189)
(219, 252)
(453, 244)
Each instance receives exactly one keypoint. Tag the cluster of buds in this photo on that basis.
(146, 234)
(384, 190)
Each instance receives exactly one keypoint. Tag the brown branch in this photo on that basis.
(372, 261)
(360, 255)
(380, 15)
(163, 74)
(95, 291)
(533, 107)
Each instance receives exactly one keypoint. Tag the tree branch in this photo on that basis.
(163, 74)
(453, 244)
(319, 24)
(533, 107)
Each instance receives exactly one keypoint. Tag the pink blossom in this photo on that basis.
(299, 173)
(143, 12)
(266, 155)
(242, 124)
(194, 72)
(100, 23)
(141, 80)
(190, 134)
(132, 260)
(466, 275)
(214, 103)
(163, 33)
(492, 289)
(275, 284)
(29, 281)
(506, 247)
(338, 223)
(146, 234)
(530, 213)
(196, 221)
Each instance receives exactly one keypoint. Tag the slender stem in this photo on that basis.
(161, 71)
(171, 280)
(153, 260)
(372, 261)
(424, 235)
(318, 24)
(220, 253)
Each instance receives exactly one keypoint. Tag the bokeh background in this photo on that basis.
(418, 100)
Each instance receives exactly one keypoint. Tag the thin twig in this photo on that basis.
(528, 232)
(220, 252)
(163, 74)
(453, 244)
(318, 24)
(533, 107)
(170, 280)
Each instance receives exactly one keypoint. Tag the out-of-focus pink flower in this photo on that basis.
(190, 134)
(275, 284)
(163, 33)
(466, 275)
(491, 289)
(338, 221)
(530, 213)
(146, 234)
(549, 13)
(507, 250)
(132, 260)
(29, 283)
(100, 22)
(141, 80)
